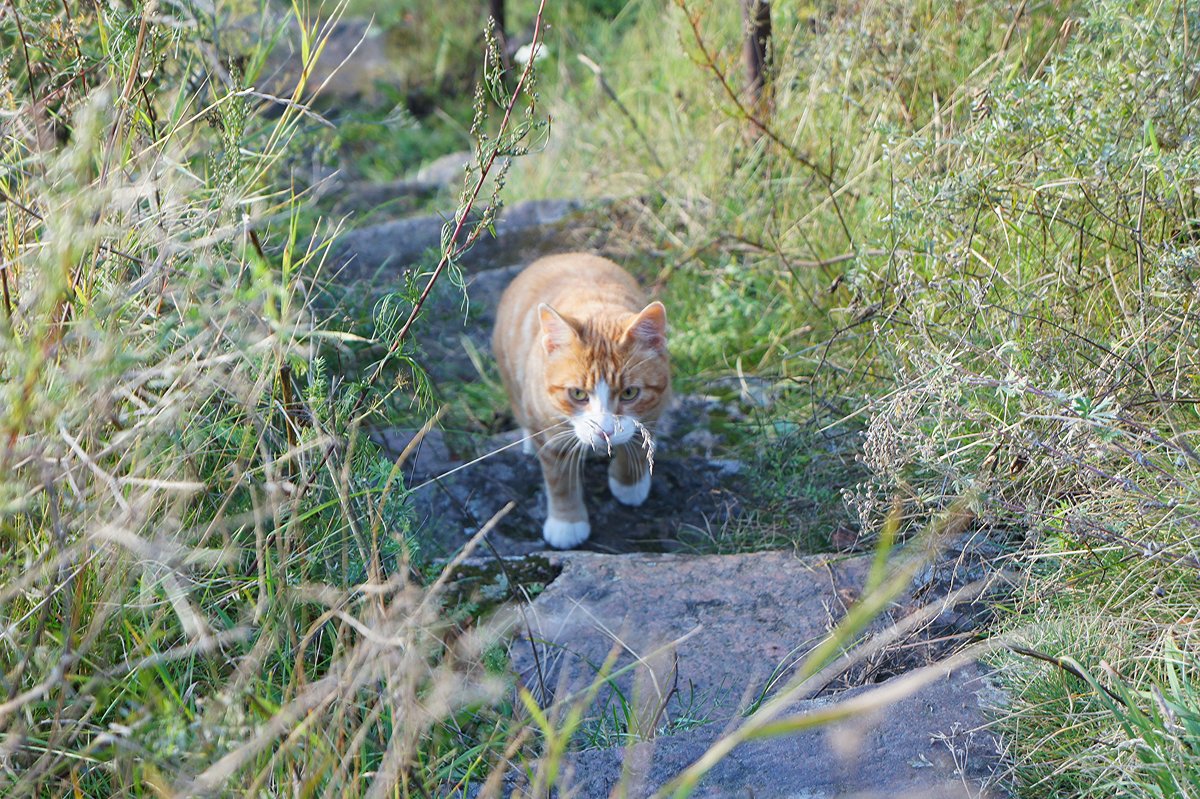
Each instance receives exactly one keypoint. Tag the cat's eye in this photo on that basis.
(577, 394)
(630, 393)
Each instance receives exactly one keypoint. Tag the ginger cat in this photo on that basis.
(584, 362)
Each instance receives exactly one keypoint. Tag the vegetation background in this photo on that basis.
(960, 236)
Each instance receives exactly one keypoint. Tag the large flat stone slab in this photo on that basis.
(933, 744)
(707, 634)
(393, 198)
(398, 198)
(681, 648)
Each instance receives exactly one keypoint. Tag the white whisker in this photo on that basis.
(574, 462)
(483, 457)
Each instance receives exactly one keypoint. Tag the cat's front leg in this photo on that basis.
(567, 520)
(629, 475)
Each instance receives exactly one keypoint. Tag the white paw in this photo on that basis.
(564, 535)
(527, 445)
(630, 494)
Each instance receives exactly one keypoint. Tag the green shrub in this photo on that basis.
(1040, 311)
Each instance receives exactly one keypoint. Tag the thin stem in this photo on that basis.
(451, 251)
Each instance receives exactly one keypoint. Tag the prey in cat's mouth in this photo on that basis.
(584, 361)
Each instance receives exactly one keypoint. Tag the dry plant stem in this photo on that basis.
(5, 292)
(710, 63)
(452, 249)
(1012, 27)
(1065, 664)
(493, 787)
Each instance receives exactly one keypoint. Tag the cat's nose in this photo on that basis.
(608, 426)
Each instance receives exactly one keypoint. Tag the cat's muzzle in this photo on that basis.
(604, 434)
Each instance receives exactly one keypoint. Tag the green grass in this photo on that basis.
(392, 143)
(205, 565)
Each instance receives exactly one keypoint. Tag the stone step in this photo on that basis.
(742, 622)
(391, 199)
(932, 744)
(699, 640)
(379, 202)
(378, 254)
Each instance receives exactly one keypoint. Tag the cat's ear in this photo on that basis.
(649, 328)
(556, 331)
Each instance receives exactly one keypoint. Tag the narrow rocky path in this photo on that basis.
(698, 640)
(693, 488)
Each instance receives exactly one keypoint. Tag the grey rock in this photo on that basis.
(701, 441)
(690, 423)
(757, 392)
(447, 171)
(399, 197)
(727, 627)
(355, 61)
(394, 197)
(699, 639)
(934, 744)
(524, 231)
(430, 456)
(727, 466)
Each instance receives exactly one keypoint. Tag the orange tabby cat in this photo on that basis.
(584, 361)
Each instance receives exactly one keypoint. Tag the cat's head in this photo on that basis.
(607, 374)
